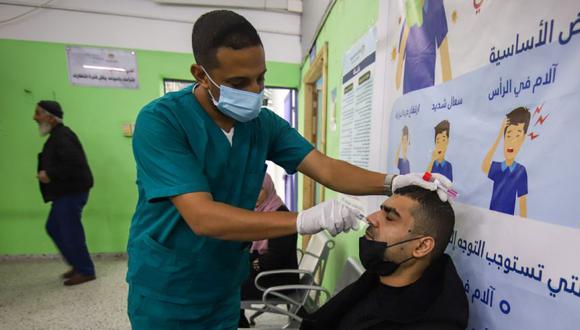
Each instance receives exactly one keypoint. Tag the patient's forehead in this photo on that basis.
(402, 204)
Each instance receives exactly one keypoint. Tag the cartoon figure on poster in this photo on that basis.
(402, 161)
(510, 179)
(424, 31)
(438, 162)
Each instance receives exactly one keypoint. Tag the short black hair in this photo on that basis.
(443, 126)
(221, 28)
(432, 216)
(518, 116)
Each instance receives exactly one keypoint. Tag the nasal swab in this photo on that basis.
(450, 192)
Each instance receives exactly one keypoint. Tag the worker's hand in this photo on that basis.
(43, 177)
(332, 215)
(416, 179)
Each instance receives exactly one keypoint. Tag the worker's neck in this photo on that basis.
(202, 96)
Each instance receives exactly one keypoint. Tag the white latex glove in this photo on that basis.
(416, 179)
(332, 215)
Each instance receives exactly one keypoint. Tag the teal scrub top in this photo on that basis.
(179, 149)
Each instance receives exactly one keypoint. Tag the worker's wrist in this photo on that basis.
(388, 184)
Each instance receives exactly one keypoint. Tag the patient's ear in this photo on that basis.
(425, 246)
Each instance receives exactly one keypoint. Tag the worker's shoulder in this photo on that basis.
(268, 115)
(266, 111)
(171, 105)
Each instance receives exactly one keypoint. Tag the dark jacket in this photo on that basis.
(437, 301)
(281, 255)
(64, 160)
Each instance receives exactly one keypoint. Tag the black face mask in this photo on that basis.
(372, 256)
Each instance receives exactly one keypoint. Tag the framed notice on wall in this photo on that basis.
(102, 67)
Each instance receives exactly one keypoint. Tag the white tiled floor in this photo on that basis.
(32, 297)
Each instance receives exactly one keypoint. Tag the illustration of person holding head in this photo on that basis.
(424, 32)
(510, 179)
(402, 163)
(438, 162)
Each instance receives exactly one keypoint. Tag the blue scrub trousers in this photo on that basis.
(66, 230)
(147, 313)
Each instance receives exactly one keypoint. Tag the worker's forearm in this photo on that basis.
(226, 222)
(353, 180)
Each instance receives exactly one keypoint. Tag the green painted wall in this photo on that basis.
(96, 115)
(346, 23)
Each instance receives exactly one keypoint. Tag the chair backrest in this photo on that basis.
(314, 258)
(351, 272)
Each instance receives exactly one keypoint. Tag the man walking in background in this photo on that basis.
(65, 180)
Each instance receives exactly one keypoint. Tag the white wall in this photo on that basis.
(278, 95)
(138, 24)
(313, 12)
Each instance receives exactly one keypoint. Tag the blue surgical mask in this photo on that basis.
(237, 104)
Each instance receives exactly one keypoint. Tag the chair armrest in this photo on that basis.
(280, 272)
(276, 292)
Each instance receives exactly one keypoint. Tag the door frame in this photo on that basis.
(318, 69)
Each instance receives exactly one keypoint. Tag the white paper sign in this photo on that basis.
(102, 67)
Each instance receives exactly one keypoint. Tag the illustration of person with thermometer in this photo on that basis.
(510, 179)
